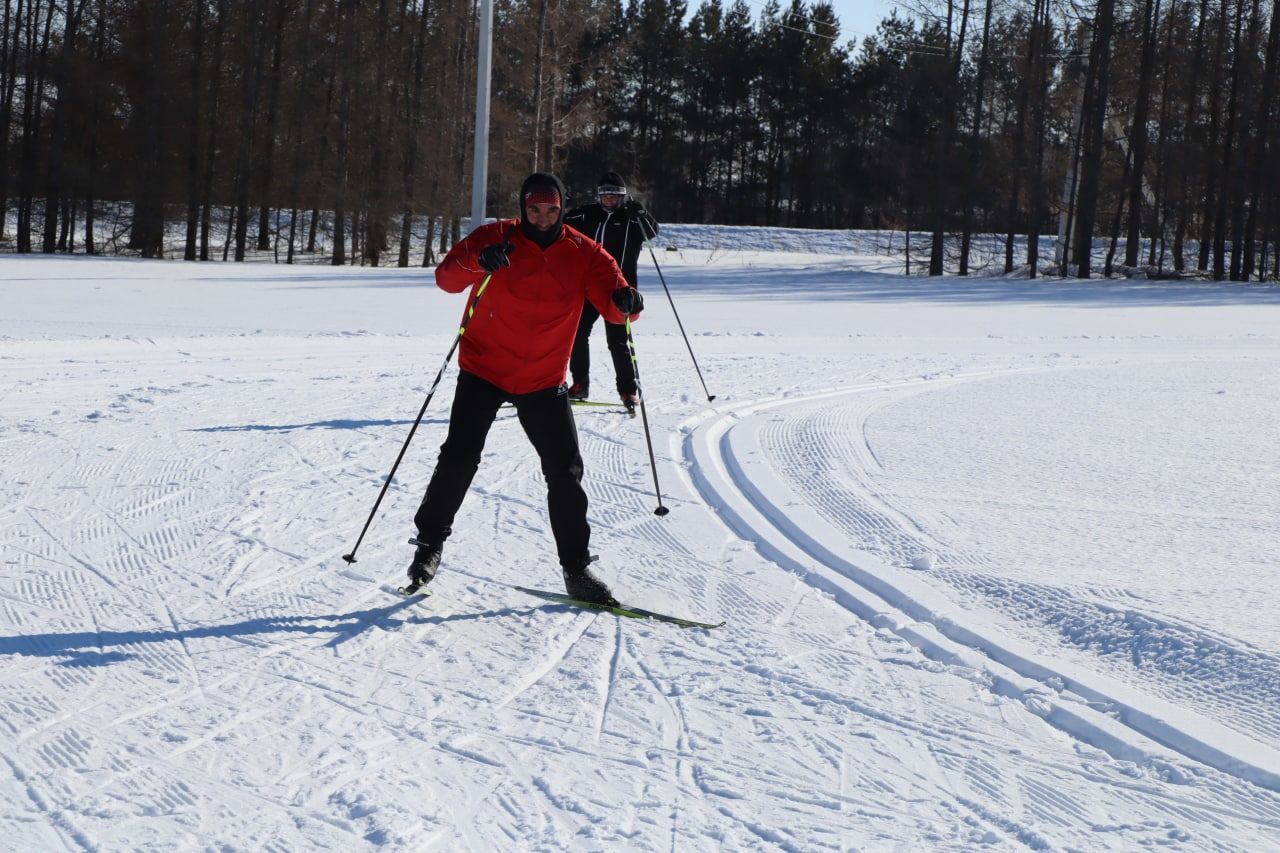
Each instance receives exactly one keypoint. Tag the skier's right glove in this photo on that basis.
(494, 256)
(628, 300)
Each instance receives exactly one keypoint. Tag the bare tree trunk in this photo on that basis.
(535, 136)
(54, 191)
(1071, 181)
(1245, 66)
(549, 120)
(1228, 154)
(1258, 178)
(1091, 161)
(33, 97)
(94, 122)
(1119, 217)
(1019, 153)
(427, 257)
(249, 87)
(311, 233)
(1138, 133)
(231, 227)
(946, 136)
(375, 216)
(266, 163)
(411, 142)
(1212, 168)
(150, 177)
(1041, 14)
(1189, 124)
(67, 238)
(324, 153)
(191, 251)
(906, 244)
(211, 146)
(8, 80)
(970, 171)
(1162, 148)
(348, 8)
(356, 246)
(295, 128)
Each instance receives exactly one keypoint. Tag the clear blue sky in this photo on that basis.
(859, 18)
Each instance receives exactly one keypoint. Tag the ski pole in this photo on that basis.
(644, 416)
(644, 229)
(351, 558)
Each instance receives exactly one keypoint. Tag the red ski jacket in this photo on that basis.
(521, 334)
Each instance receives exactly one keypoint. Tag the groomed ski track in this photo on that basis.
(730, 468)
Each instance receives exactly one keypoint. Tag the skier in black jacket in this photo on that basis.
(621, 225)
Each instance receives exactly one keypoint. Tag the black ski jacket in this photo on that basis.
(621, 234)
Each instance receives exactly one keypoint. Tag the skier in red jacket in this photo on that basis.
(515, 350)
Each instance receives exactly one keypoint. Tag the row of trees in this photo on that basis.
(233, 109)
(1146, 129)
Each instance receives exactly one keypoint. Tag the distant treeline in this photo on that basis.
(1149, 126)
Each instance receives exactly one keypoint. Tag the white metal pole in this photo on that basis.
(480, 159)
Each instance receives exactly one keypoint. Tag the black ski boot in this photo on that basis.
(630, 401)
(581, 584)
(426, 560)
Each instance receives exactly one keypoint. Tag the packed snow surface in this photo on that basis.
(997, 559)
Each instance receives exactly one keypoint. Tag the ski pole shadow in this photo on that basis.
(103, 648)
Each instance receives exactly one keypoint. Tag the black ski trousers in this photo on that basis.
(615, 334)
(548, 422)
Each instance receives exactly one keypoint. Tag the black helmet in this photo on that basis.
(611, 183)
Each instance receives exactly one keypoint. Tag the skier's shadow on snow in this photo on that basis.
(103, 648)
(505, 411)
(334, 424)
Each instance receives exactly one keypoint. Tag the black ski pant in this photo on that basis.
(548, 422)
(615, 334)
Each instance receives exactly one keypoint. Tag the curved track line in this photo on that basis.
(725, 466)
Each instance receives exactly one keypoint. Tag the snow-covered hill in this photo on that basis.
(996, 557)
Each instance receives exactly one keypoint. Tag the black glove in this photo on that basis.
(633, 209)
(494, 256)
(628, 300)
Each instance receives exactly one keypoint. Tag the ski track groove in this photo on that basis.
(560, 647)
(853, 504)
(865, 524)
(607, 681)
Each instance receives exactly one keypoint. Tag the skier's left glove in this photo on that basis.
(628, 300)
(633, 209)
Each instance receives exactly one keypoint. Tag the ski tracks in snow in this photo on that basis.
(785, 475)
(185, 660)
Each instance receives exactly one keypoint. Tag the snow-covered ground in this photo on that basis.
(997, 560)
